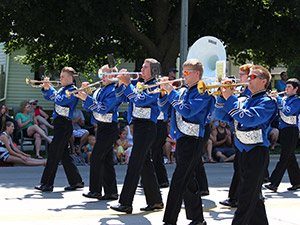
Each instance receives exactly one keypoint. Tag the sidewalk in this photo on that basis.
(20, 204)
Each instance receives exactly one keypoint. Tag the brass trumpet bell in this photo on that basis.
(88, 89)
(202, 88)
(37, 83)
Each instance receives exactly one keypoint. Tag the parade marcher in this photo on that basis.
(104, 106)
(289, 109)
(188, 118)
(62, 115)
(157, 150)
(252, 119)
(143, 110)
(231, 201)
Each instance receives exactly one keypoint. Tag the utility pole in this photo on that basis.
(183, 33)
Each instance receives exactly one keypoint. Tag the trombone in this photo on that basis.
(202, 88)
(141, 87)
(89, 89)
(133, 75)
(37, 83)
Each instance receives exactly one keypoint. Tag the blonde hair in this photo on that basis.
(246, 68)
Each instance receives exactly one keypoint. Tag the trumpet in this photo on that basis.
(141, 87)
(202, 88)
(89, 89)
(274, 94)
(37, 83)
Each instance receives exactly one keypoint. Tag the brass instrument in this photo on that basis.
(202, 88)
(274, 94)
(141, 87)
(88, 89)
(37, 83)
(133, 75)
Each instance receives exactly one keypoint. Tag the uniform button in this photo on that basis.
(174, 132)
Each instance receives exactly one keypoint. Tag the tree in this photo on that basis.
(81, 33)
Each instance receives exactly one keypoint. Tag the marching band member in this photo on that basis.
(188, 118)
(143, 110)
(231, 201)
(104, 106)
(63, 129)
(252, 120)
(289, 109)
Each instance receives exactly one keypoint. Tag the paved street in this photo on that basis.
(21, 204)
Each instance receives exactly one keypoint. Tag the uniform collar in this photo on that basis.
(150, 80)
(256, 94)
(193, 86)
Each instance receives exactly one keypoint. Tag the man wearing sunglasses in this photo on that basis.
(252, 118)
(289, 109)
(190, 111)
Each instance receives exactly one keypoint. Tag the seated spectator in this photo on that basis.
(10, 153)
(121, 146)
(40, 115)
(78, 132)
(28, 123)
(5, 117)
(89, 147)
(222, 143)
(169, 147)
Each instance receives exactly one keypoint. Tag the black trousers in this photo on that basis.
(157, 152)
(200, 172)
(184, 185)
(58, 151)
(288, 141)
(140, 163)
(251, 208)
(235, 184)
(102, 171)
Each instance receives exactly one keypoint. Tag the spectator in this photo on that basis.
(121, 146)
(10, 153)
(169, 147)
(129, 137)
(89, 147)
(28, 123)
(40, 115)
(222, 143)
(78, 132)
(281, 85)
(273, 137)
(172, 75)
(5, 117)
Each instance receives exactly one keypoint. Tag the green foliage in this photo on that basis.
(81, 33)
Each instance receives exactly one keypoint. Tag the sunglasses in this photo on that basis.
(187, 72)
(34, 103)
(27, 106)
(253, 76)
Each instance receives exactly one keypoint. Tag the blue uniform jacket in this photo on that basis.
(193, 107)
(141, 100)
(255, 113)
(290, 107)
(105, 102)
(221, 114)
(59, 98)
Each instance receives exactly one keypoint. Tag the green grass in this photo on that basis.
(278, 150)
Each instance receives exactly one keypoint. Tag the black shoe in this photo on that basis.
(92, 195)
(44, 188)
(73, 187)
(294, 187)
(122, 208)
(198, 222)
(271, 187)
(164, 185)
(204, 193)
(153, 207)
(229, 202)
(109, 197)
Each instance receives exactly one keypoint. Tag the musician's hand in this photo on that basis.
(274, 94)
(82, 95)
(226, 92)
(84, 84)
(124, 78)
(167, 87)
(45, 85)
